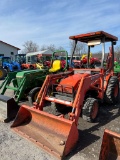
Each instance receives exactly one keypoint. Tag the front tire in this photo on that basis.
(90, 109)
(33, 94)
(3, 73)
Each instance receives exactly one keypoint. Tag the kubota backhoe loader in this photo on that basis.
(52, 121)
(110, 148)
(26, 84)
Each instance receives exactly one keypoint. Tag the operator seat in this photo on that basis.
(56, 66)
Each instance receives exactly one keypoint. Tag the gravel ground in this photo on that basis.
(14, 147)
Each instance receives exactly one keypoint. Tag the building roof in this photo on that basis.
(10, 45)
(45, 52)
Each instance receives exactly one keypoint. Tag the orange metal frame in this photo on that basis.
(95, 82)
(110, 148)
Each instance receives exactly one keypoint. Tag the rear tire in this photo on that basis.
(3, 73)
(112, 91)
(90, 109)
(33, 94)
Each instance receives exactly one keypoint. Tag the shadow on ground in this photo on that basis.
(86, 136)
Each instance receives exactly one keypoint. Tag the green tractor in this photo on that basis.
(116, 67)
(26, 84)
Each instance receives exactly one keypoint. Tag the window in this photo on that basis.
(7, 59)
(29, 59)
(12, 53)
(1, 54)
(77, 58)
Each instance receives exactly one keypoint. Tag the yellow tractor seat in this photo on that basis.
(56, 66)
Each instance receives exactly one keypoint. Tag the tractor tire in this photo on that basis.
(90, 109)
(8, 70)
(3, 73)
(33, 94)
(112, 91)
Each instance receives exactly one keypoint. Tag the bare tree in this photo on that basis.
(117, 49)
(98, 55)
(30, 46)
(43, 47)
(52, 47)
(117, 52)
(80, 48)
(60, 48)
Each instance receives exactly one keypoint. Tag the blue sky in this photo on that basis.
(53, 21)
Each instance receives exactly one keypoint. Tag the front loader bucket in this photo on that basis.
(110, 148)
(54, 134)
(8, 108)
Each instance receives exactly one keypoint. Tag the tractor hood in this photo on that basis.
(10, 64)
(15, 63)
(71, 82)
(23, 73)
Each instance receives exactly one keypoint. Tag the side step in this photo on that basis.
(8, 108)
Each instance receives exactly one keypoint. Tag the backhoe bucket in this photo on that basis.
(110, 148)
(8, 108)
(54, 134)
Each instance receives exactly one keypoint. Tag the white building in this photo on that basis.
(8, 50)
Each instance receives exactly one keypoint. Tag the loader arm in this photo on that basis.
(39, 101)
(85, 85)
(7, 81)
(41, 96)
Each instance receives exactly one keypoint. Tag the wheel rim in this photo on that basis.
(1, 73)
(35, 96)
(116, 91)
(94, 110)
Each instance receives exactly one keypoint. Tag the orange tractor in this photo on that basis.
(52, 121)
(93, 61)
